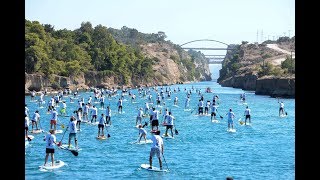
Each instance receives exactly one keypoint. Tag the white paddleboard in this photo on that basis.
(187, 109)
(231, 130)
(282, 116)
(36, 131)
(215, 121)
(146, 166)
(167, 137)
(57, 164)
(65, 146)
(59, 131)
(26, 143)
(101, 137)
(142, 141)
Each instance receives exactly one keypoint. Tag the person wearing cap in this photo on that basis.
(247, 114)
(156, 148)
(50, 139)
(73, 131)
(231, 116)
(139, 116)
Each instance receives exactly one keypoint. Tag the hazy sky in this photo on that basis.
(229, 21)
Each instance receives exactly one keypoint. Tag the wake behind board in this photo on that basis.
(48, 166)
(156, 169)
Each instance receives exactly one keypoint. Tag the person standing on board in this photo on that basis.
(54, 119)
(231, 117)
(187, 103)
(35, 118)
(156, 148)
(281, 108)
(26, 126)
(108, 115)
(50, 143)
(94, 113)
(142, 133)
(139, 116)
(213, 112)
(155, 119)
(247, 114)
(101, 125)
(169, 124)
(120, 106)
(79, 117)
(73, 131)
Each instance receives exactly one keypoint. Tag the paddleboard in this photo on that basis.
(175, 105)
(142, 141)
(26, 143)
(282, 116)
(30, 136)
(59, 131)
(231, 130)
(215, 121)
(146, 166)
(167, 137)
(65, 146)
(36, 131)
(202, 115)
(187, 109)
(57, 164)
(101, 137)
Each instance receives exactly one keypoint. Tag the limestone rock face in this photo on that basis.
(276, 87)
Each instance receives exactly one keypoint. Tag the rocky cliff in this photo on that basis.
(166, 69)
(257, 67)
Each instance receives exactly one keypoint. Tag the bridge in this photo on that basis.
(212, 58)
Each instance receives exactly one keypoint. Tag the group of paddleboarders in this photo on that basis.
(84, 110)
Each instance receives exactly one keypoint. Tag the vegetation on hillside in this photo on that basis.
(235, 61)
(108, 51)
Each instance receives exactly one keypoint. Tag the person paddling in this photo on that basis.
(73, 131)
(142, 133)
(50, 143)
(156, 148)
(247, 114)
(101, 125)
(231, 117)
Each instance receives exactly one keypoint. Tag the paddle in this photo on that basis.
(219, 114)
(193, 110)
(74, 152)
(59, 144)
(165, 161)
(107, 130)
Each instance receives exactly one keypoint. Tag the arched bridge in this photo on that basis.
(212, 59)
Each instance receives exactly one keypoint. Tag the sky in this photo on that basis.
(228, 21)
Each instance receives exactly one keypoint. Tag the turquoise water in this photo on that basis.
(201, 150)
